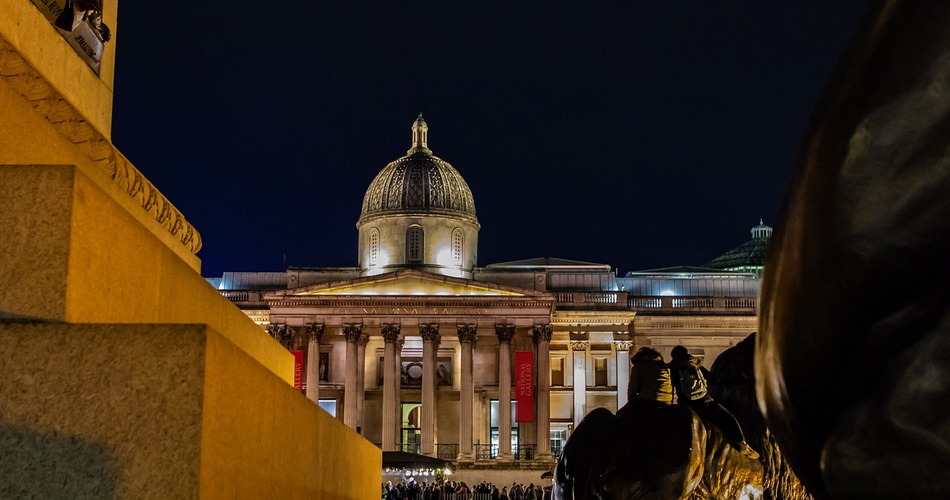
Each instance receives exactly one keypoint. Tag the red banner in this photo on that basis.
(298, 370)
(524, 386)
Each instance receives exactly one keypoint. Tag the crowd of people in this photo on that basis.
(452, 490)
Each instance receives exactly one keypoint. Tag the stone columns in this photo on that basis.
(467, 336)
(623, 370)
(430, 345)
(360, 380)
(505, 333)
(579, 349)
(399, 344)
(314, 334)
(542, 340)
(390, 332)
(352, 332)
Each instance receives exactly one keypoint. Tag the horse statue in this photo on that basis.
(853, 356)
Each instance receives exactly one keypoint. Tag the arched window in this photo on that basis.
(373, 246)
(457, 246)
(414, 245)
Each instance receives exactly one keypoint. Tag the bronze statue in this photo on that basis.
(90, 11)
(853, 361)
(666, 452)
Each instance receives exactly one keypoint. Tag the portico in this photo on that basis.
(460, 336)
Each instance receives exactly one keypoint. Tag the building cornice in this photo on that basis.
(72, 125)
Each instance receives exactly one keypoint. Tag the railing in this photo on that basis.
(243, 295)
(490, 452)
(448, 451)
(730, 304)
(486, 451)
(523, 452)
(591, 298)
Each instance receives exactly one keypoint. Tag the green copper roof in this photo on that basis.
(748, 254)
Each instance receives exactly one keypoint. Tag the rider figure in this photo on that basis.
(689, 384)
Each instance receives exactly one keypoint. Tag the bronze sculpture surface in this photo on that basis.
(853, 361)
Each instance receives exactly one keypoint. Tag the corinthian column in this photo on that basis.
(579, 351)
(430, 343)
(467, 335)
(352, 332)
(505, 333)
(360, 379)
(390, 332)
(542, 337)
(623, 370)
(314, 334)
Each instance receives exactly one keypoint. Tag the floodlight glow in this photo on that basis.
(443, 257)
(667, 293)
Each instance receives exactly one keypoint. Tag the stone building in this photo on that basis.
(415, 347)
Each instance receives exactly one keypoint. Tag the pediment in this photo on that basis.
(412, 283)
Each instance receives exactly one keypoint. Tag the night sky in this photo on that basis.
(643, 135)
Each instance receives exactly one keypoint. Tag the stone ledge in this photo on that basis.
(71, 124)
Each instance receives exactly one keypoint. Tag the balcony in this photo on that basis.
(592, 299)
(729, 305)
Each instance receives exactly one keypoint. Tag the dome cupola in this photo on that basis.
(418, 213)
(419, 182)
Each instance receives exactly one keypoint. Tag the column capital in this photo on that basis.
(542, 333)
(623, 345)
(399, 343)
(281, 333)
(504, 332)
(467, 333)
(315, 332)
(363, 340)
(579, 345)
(390, 331)
(352, 331)
(429, 332)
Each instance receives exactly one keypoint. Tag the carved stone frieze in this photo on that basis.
(467, 333)
(352, 331)
(505, 332)
(543, 333)
(66, 120)
(390, 331)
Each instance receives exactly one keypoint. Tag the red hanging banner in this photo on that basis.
(298, 370)
(524, 386)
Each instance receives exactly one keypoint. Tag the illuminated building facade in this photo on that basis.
(416, 346)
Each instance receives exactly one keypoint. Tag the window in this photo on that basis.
(493, 422)
(410, 428)
(600, 372)
(414, 243)
(374, 247)
(557, 372)
(457, 246)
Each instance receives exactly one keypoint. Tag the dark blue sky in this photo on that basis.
(641, 135)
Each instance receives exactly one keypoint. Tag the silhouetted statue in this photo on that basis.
(90, 11)
(666, 452)
(853, 362)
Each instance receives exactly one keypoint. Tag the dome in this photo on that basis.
(747, 256)
(419, 182)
